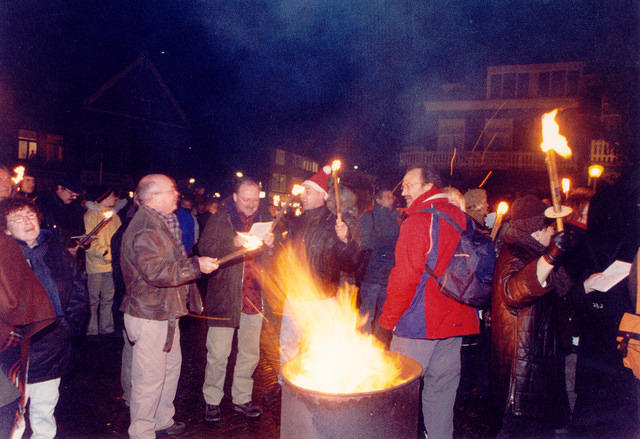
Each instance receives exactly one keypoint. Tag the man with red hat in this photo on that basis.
(327, 245)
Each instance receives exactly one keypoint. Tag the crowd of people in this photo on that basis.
(86, 262)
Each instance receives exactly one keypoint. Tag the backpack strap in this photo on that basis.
(432, 257)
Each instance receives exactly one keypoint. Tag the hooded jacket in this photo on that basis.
(414, 301)
(527, 372)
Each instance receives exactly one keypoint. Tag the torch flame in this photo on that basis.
(252, 242)
(335, 166)
(566, 185)
(108, 214)
(551, 137)
(503, 208)
(19, 170)
(298, 189)
(334, 356)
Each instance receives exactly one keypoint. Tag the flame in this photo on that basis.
(551, 137)
(595, 171)
(19, 170)
(108, 214)
(566, 185)
(276, 200)
(252, 242)
(335, 165)
(503, 208)
(298, 189)
(334, 356)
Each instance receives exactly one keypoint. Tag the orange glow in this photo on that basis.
(595, 171)
(335, 166)
(566, 185)
(551, 137)
(503, 208)
(108, 214)
(334, 357)
(252, 242)
(298, 189)
(19, 170)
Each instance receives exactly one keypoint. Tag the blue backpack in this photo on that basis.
(469, 273)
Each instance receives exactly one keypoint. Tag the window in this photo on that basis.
(573, 78)
(509, 85)
(280, 157)
(27, 144)
(557, 83)
(278, 182)
(495, 86)
(451, 134)
(523, 85)
(498, 134)
(543, 84)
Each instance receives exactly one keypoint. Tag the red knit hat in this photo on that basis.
(320, 181)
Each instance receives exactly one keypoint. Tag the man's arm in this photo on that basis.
(217, 237)
(410, 254)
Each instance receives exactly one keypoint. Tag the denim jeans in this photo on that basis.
(372, 297)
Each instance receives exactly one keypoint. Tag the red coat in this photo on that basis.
(418, 303)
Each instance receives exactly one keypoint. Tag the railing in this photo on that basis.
(503, 160)
(604, 153)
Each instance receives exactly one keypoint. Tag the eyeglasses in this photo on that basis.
(22, 219)
(72, 194)
(407, 186)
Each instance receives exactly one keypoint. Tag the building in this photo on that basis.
(499, 128)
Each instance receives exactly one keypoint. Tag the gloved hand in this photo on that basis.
(560, 243)
(383, 336)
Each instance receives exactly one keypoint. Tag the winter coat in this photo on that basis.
(24, 306)
(415, 306)
(158, 277)
(527, 369)
(224, 289)
(380, 231)
(50, 354)
(98, 255)
(313, 234)
(64, 220)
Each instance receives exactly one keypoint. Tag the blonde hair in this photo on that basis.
(455, 197)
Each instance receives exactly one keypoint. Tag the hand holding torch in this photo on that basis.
(503, 208)
(84, 239)
(251, 243)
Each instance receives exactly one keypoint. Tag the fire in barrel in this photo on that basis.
(341, 383)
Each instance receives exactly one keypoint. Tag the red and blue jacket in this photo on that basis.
(415, 307)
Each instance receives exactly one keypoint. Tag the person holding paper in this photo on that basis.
(234, 300)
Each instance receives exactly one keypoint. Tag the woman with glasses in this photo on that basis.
(57, 271)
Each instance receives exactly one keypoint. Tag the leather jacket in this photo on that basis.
(157, 275)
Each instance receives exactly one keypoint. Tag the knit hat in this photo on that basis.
(72, 183)
(320, 181)
(99, 193)
(527, 214)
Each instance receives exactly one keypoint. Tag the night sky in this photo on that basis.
(322, 77)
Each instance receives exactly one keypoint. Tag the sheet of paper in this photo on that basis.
(612, 275)
(260, 229)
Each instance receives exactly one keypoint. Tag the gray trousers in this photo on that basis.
(440, 360)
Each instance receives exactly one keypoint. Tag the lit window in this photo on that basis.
(27, 144)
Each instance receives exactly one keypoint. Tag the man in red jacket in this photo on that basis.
(427, 325)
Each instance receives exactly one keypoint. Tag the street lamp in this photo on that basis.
(192, 180)
(239, 174)
(595, 172)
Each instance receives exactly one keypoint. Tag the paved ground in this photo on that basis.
(90, 404)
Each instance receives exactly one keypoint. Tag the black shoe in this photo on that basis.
(212, 413)
(248, 409)
(176, 429)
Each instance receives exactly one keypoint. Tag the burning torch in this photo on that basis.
(84, 239)
(553, 142)
(503, 208)
(335, 167)
(297, 190)
(19, 171)
(252, 242)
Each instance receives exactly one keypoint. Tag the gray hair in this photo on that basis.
(146, 187)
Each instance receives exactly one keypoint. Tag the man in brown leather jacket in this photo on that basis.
(159, 280)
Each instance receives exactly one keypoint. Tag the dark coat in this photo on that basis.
(64, 220)
(527, 369)
(314, 233)
(224, 289)
(50, 356)
(380, 229)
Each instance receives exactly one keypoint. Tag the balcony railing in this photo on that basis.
(603, 152)
(498, 160)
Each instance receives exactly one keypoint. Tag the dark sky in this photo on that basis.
(321, 76)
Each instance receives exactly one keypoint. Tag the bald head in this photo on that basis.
(158, 192)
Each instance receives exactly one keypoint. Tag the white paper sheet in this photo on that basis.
(260, 229)
(612, 275)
